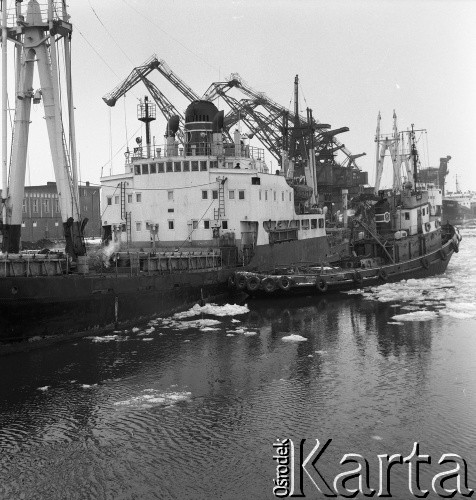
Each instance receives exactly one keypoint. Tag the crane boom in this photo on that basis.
(140, 72)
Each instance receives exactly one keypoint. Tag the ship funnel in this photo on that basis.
(172, 126)
(217, 123)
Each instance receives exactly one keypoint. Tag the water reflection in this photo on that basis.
(134, 417)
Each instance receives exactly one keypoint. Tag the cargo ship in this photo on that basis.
(459, 208)
(177, 221)
(394, 236)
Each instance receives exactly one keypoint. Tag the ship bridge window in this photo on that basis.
(138, 197)
(168, 166)
(171, 224)
(203, 165)
(186, 166)
(206, 224)
(229, 164)
(282, 196)
(321, 223)
(129, 198)
(194, 166)
(313, 223)
(153, 168)
(213, 164)
(177, 166)
(224, 224)
(195, 224)
(109, 202)
(241, 195)
(160, 167)
(260, 195)
(215, 194)
(266, 196)
(407, 215)
(145, 168)
(305, 223)
(255, 181)
(57, 205)
(204, 195)
(137, 169)
(231, 195)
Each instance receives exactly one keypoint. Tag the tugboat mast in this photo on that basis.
(414, 155)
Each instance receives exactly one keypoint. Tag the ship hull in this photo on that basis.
(66, 306)
(298, 283)
(305, 250)
(455, 213)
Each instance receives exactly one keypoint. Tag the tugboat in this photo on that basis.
(393, 237)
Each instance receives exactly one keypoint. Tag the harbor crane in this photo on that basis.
(288, 136)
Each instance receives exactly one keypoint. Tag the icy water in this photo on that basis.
(189, 407)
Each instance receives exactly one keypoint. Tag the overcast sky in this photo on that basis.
(354, 58)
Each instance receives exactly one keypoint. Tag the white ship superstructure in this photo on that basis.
(204, 193)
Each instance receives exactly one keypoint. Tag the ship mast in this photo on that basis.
(414, 155)
(42, 50)
(4, 108)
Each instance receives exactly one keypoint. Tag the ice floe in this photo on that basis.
(213, 310)
(416, 316)
(294, 338)
(105, 338)
(153, 397)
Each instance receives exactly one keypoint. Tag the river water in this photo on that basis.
(189, 407)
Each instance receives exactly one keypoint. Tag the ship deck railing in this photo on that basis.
(192, 149)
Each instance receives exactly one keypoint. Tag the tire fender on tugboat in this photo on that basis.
(424, 263)
(252, 283)
(427, 227)
(285, 283)
(358, 277)
(268, 284)
(442, 254)
(231, 281)
(455, 246)
(382, 274)
(321, 285)
(240, 280)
